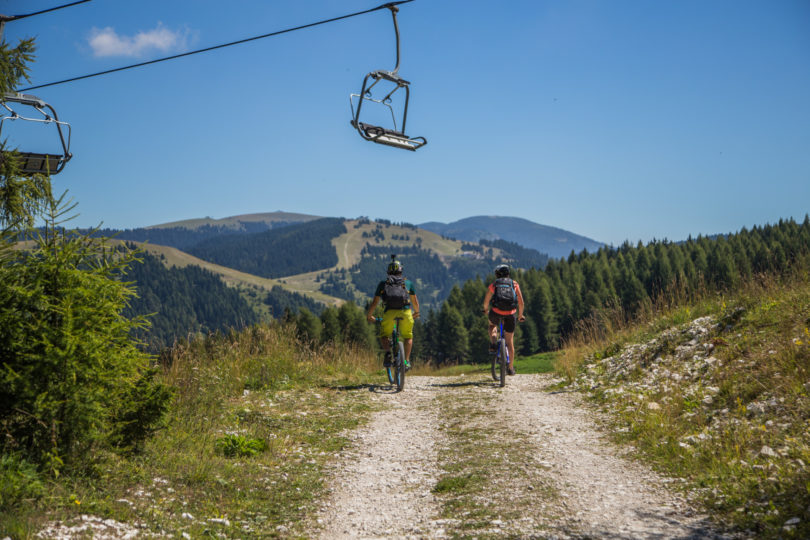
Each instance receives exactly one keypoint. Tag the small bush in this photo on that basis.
(239, 446)
(19, 482)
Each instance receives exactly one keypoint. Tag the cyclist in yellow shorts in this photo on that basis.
(399, 300)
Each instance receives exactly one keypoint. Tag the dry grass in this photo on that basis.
(729, 417)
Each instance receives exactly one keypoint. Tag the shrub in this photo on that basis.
(239, 445)
(71, 377)
(19, 482)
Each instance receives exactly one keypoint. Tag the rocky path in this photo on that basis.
(382, 487)
(605, 494)
(382, 484)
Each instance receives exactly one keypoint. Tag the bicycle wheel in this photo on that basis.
(399, 365)
(494, 367)
(503, 359)
(391, 374)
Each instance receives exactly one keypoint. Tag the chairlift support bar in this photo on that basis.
(35, 162)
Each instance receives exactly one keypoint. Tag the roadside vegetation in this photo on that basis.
(254, 419)
(716, 392)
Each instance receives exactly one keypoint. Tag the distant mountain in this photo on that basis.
(190, 232)
(557, 243)
(241, 223)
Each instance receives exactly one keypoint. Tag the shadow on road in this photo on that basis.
(466, 383)
(376, 388)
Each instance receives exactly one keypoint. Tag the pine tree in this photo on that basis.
(453, 341)
(330, 325)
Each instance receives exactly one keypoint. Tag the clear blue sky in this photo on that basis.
(618, 120)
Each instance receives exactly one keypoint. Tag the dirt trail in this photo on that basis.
(381, 487)
(605, 494)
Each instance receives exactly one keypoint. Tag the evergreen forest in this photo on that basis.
(182, 301)
(629, 278)
(279, 252)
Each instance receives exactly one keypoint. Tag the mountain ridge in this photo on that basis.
(553, 241)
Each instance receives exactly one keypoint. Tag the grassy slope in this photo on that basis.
(234, 278)
(717, 394)
(234, 221)
(348, 247)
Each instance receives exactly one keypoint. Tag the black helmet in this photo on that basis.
(394, 267)
(501, 271)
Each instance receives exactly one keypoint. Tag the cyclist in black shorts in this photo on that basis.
(506, 300)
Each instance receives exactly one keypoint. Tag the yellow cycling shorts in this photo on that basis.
(405, 325)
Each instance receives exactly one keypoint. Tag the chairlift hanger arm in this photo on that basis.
(37, 162)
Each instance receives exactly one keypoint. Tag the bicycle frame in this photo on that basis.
(500, 360)
(397, 374)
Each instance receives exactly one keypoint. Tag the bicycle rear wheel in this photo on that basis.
(391, 374)
(494, 367)
(503, 359)
(399, 364)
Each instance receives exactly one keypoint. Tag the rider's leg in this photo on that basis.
(510, 344)
(408, 346)
(384, 342)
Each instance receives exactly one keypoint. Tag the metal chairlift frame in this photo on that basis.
(378, 134)
(33, 162)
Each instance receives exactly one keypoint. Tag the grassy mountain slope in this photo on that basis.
(552, 241)
(175, 257)
(299, 248)
(271, 219)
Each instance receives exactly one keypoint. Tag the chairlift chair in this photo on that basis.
(35, 162)
(389, 136)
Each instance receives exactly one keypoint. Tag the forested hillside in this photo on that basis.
(180, 237)
(629, 278)
(275, 253)
(433, 277)
(182, 301)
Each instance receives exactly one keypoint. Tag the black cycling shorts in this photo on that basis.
(509, 321)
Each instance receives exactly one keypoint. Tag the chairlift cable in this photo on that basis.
(18, 17)
(207, 49)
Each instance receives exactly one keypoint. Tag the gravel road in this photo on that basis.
(382, 485)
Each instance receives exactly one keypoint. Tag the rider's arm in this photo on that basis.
(520, 304)
(487, 299)
(370, 314)
(415, 306)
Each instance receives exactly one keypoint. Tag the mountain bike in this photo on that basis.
(396, 371)
(500, 358)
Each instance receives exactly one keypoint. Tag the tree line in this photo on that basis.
(628, 278)
(566, 291)
(290, 250)
(181, 301)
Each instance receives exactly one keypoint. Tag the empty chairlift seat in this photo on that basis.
(34, 162)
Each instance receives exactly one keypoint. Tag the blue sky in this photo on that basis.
(618, 120)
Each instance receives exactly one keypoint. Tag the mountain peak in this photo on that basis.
(553, 241)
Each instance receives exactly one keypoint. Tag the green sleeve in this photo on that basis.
(380, 288)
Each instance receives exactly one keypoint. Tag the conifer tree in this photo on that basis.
(330, 325)
(453, 341)
(72, 379)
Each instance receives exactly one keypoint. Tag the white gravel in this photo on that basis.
(381, 486)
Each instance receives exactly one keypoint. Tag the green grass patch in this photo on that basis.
(726, 408)
(453, 483)
(538, 363)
